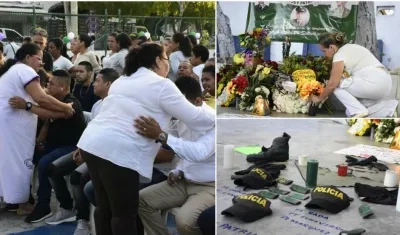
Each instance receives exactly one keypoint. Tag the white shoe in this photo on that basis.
(62, 216)
(83, 228)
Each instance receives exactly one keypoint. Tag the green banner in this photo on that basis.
(303, 21)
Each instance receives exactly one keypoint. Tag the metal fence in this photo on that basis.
(101, 25)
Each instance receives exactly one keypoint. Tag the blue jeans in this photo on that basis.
(52, 153)
(156, 178)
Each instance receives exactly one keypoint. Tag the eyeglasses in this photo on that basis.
(40, 32)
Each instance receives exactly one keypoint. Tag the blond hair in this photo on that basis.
(327, 39)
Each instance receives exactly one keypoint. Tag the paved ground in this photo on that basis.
(316, 138)
(12, 224)
(230, 112)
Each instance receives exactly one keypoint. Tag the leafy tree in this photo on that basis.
(158, 10)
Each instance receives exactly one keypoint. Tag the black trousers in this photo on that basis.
(117, 196)
(206, 221)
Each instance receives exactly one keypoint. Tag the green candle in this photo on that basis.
(312, 173)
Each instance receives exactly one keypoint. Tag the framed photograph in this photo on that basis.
(396, 141)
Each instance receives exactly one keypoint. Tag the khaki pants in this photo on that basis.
(193, 198)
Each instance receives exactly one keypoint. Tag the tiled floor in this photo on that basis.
(12, 224)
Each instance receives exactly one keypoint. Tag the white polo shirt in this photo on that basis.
(112, 136)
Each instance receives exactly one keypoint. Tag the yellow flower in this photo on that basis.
(220, 88)
(242, 44)
(259, 67)
(229, 87)
(238, 59)
(266, 71)
(258, 30)
(268, 39)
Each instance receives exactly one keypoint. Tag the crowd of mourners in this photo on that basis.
(131, 133)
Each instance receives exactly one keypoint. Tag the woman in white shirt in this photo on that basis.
(181, 48)
(117, 60)
(82, 43)
(357, 78)
(59, 54)
(113, 46)
(18, 128)
(115, 154)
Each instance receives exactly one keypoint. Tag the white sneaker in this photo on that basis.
(62, 216)
(83, 228)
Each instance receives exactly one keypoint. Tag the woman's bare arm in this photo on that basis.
(46, 101)
(334, 80)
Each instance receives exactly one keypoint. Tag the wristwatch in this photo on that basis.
(28, 106)
(162, 137)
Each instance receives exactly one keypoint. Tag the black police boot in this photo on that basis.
(278, 152)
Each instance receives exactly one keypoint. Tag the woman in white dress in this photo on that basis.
(358, 79)
(113, 46)
(115, 153)
(18, 128)
(58, 51)
(117, 60)
(181, 48)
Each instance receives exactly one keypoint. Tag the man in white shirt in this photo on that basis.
(191, 185)
(10, 49)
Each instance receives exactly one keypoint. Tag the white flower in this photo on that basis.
(265, 90)
(397, 120)
(257, 90)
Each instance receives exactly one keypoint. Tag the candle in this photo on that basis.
(391, 179)
(312, 174)
(398, 201)
(228, 156)
(302, 160)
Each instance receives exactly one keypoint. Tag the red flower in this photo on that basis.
(219, 77)
(304, 61)
(274, 65)
(241, 83)
(269, 62)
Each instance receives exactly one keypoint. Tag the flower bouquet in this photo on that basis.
(385, 131)
(289, 102)
(307, 89)
(259, 81)
(319, 65)
(233, 90)
(254, 41)
(363, 127)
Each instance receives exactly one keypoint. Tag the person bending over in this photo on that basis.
(357, 78)
(191, 185)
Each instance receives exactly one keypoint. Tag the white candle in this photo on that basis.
(302, 160)
(391, 179)
(398, 201)
(228, 156)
